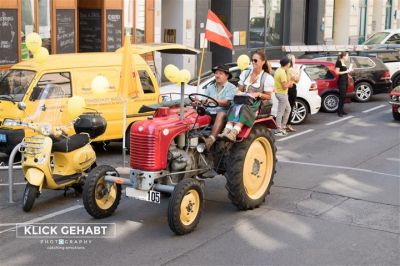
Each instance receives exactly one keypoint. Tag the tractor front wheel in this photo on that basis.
(186, 206)
(251, 169)
(100, 197)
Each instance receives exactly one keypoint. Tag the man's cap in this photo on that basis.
(284, 61)
(224, 69)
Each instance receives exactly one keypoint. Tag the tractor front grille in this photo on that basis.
(143, 152)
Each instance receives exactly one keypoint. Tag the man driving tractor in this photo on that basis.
(223, 92)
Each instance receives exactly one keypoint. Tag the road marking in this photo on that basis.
(339, 167)
(296, 135)
(45, 217)
(374, 108)
(340, 120)
(14, 184)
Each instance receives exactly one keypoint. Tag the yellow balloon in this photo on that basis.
(41, 55)
(243, 61)
(100, 84)
(184, 76)
(76, 106)
(171, 72)
(33, 42)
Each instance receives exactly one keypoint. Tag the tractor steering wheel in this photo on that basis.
(212, 104)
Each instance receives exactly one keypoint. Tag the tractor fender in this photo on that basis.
(34, 177)
(268, 122)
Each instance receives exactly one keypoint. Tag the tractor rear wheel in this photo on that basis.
(186, 206)
(251, 169)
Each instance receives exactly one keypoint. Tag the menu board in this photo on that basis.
(65, 25)
(8, 36)
(89, 30)
(114, 30)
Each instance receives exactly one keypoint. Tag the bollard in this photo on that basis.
(10, 169)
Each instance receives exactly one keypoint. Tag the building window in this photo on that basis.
(128, 16)
(257, 23)
(363, 21)
(27, 18)
(140, 21)
(388, 18)
(45, 23)
(274, 23)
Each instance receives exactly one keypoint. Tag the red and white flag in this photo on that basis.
(217, 32)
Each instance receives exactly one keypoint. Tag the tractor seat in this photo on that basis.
(265, 109)
(71, 143)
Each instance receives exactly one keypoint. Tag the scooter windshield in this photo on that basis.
(50, 97)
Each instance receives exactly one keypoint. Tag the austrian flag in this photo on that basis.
(217, 32)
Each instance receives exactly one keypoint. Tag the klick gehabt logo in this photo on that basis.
(66, 236)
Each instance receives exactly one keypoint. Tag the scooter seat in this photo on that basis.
(71, 143)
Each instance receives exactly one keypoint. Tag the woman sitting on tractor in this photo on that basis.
(256, 84)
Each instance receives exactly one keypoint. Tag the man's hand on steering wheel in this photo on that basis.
(209, 102)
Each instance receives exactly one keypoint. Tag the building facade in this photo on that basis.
(353, 21)
(69, 26)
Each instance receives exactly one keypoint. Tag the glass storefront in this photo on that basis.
(45, 22)
(265, 25)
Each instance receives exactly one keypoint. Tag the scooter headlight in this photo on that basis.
(45, 129)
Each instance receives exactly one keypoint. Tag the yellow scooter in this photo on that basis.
(53, 160)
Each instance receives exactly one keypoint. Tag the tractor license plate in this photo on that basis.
(3, 138)
(151, 195)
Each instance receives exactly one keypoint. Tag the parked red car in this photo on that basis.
(323, 72)
(395, 102)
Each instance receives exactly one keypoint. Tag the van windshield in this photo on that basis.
(13, 84)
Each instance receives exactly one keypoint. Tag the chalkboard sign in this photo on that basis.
(8, 36)
(89, 30)
(65, 31)
(114, 30)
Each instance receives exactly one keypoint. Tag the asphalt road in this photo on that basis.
(335, 201)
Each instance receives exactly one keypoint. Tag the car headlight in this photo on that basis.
(45, 129)
(395, 98)
(8, 122)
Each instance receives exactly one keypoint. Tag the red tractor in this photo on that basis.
(168, 156)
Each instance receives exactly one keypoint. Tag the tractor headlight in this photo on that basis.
(395, 98)
(201, 147)
(8, 122)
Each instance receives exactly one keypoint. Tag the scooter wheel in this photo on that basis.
(186, 206)
(101, 198)
(30, 194)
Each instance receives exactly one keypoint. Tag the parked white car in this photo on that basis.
(308, 101)
(386, 37)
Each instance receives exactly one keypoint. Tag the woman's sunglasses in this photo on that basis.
(254, 60)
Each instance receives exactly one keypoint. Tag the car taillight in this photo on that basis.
(313, 86)
(386, 75)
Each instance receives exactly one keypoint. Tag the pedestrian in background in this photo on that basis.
(342, 71)
(282, 85)
(294, 76)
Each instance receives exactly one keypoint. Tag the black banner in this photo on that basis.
(65, 25)
(114, 30)
(8, 36)
(90, 30)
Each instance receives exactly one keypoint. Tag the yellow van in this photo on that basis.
(73, 74)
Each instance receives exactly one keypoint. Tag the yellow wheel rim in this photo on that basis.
(105, 194)
(258, 167)
(190, 206)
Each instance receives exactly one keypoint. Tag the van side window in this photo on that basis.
(53, 85)
(145, 80)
